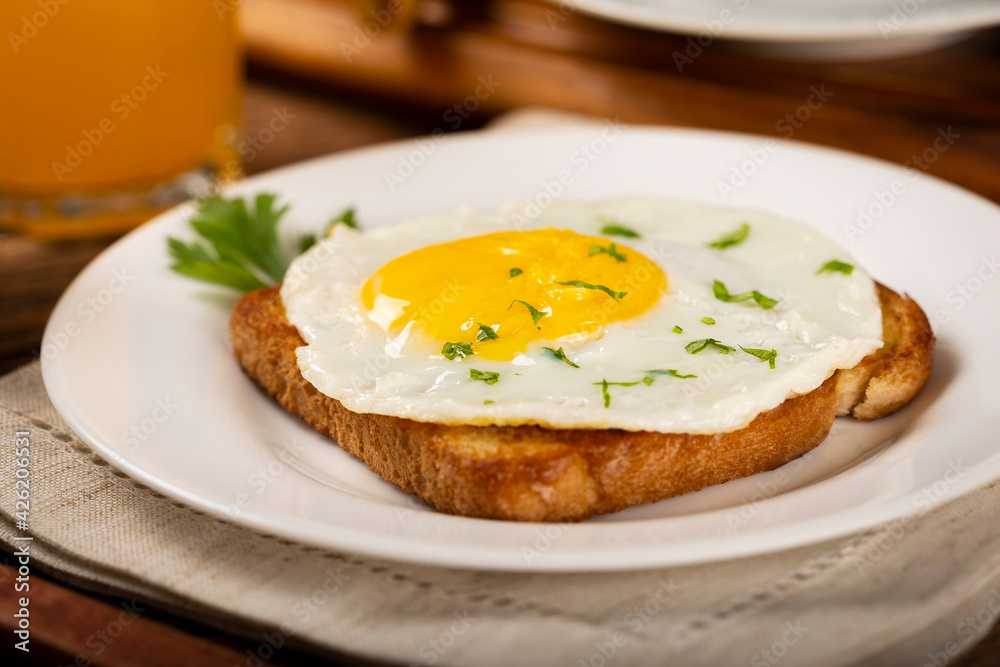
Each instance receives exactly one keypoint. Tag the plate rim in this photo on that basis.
(800, 32)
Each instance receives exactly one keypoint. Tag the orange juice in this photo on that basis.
(113, 109)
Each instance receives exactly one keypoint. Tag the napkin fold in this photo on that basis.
(915, 592)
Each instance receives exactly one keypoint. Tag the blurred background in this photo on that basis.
(111, 111)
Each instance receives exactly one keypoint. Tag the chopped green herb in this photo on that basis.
(835, 265)
(306, 241)
(488, 402)
(345, 218)
(486, 333)
(708, 320)
(457, 351)
(243, 250)
(669, 371)
(612, 228)
(604, 390)
(732, 238)
(617, 296)
(604, 384)
(677, 329)
(515, 272)
(489, 377)
(611, 250)
(648, 380)
(535, 313)
(764, 355)
(722, 294)
(694, 347)
(561, 356)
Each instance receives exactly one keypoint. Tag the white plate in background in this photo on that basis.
(808, 29)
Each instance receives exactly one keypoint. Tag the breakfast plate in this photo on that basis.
(850, 29)
(137, 359)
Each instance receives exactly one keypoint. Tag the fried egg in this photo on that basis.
(637, 314)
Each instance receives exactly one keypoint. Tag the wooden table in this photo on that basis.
(402, 85)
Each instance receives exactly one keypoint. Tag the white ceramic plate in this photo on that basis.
(136, 358)
(818, 29)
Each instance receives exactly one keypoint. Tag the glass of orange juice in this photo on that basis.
(112, 110)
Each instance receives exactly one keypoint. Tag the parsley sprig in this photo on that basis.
(612, 228)
(764, 355)
(561, 356)
(237, 244)
(611, 250)
(617, 296)
(696, 346)
(837, 265)
(489, 377)
(732, 238)
(722, 294)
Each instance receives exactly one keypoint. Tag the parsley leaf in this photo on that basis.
(515, 272)
(835, 265)
(617, 296)
(489, 377)
(612, 228)
(488, 402)
(486, 333)
(669, 371)
(535, 313)
(707, 320)
(764, 355)
(345, 218)
(561, 356)
(307, 241)
(611, 250)
(245, 253)
(677, 329)
(604, 384)
(732, 238)
(722, 294)
(456, 351)
(694, 347)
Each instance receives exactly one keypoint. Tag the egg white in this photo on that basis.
(822, 322)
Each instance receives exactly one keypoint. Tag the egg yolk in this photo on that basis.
(512, 284)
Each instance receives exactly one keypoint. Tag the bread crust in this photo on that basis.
(530, 473)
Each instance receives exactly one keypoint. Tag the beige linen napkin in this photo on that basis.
(913, 592)
(909, 593)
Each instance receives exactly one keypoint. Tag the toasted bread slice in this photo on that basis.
(530, 473)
